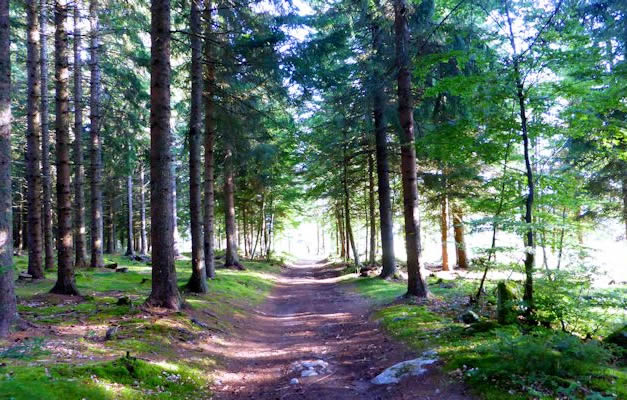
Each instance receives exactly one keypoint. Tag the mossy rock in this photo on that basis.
(506, 295)
(481, 326)
(618, 337)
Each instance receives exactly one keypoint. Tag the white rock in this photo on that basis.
(294, 381)
(308, 372)
(396, 372)
(313, 364)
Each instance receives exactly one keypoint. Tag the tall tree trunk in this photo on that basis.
(45, 141)
(529, 253)
(347, 216)
(175, 219)
(458, 234)
(383, 167)
(231, 257)
(416, 285)
(111, 235)
(18, 233)
(65, 255)
(373, 223)
(129, 203)
(210, 128)
(79, 171)
(8, 307)
(198, 280)
(444, 232)
(164, 288)
(33, 136)
(245, 226)
(142, 212)
(95, 150)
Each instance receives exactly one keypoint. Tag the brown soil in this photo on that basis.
(310, 316)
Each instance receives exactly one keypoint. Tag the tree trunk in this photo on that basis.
(416, 285)
(95, 150)
(142, 212)
(79, 172)
(231, 257)
(210, 128)
(111, 236)
(458, 234)
(347, 216)
(529, 252)
(18, 233)
(175, 220)
(45, 141)
(245, 225)
(444, 232)
(8, 307)
(129, 202)
(65, 255)
(383, 168)
(198, 281)
(373, 223)
(164, 288)
(33, 136)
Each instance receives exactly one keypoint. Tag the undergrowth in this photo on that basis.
(501, 362)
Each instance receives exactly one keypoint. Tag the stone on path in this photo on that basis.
(396, 372)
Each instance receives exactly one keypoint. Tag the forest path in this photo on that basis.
(309, 316)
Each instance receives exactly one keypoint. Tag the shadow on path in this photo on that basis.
(309, 316)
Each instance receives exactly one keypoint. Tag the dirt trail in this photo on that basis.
(309, 316)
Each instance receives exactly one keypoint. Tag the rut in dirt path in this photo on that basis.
(310, 316)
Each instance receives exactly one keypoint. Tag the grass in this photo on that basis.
(123, 378)
(67, 356)
(498, 362)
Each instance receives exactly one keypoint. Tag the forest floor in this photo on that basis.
(309, 316)
(256, 331)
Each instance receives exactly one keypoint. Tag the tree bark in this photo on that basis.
(65, 255)
(45, 141)
(164, 288)
(383, 168)
(175, 220)
(458, 233)
(231, 257)
(444, 232)
(373, 223)
(347, 216)
(210, 128)
(18, 233)
(142, 212)
(79, 171)
(416, 285)
(33, 138)
(8, 306)
(198, 281)
(111, 234)
(529, 247)
(129, 195)
(97, 260)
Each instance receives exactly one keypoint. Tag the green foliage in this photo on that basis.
(499, 362)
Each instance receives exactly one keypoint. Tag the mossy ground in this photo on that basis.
(66, 355)
(498, 362)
